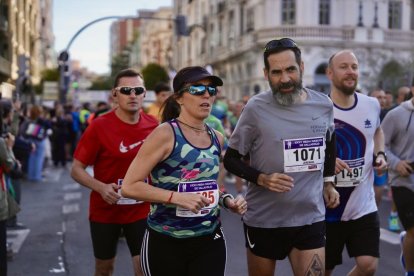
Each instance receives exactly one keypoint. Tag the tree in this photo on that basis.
(101, 83)
(120, 62)
(393, 76)
(50, 75)
(154, 73)
(47, 75)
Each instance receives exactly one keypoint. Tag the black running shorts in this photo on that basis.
(276, 243)
(361, 238)
(105, 237)
(404, 200)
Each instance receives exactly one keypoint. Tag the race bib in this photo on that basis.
(125, 200)
(353, 178)
(305, 154)
(207, 188)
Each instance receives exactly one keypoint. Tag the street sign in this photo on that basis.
(50, 90)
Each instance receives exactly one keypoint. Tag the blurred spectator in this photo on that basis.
(382, 99)
(390, 99)
(381, 180)
(101, 109)
(35, 130)
(402, 93)
(162, 92)
(61, 127)
(84, 114)
(76, 128)
(7, 162)
(15, 174)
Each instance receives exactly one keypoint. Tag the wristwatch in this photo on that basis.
(383, 154)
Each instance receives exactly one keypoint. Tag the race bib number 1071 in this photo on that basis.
(305, 154)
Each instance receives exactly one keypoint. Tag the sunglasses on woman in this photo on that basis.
(126, 90)
(200, 89)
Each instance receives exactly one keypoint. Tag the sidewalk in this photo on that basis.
(57, 241)
(16, 236)
(36, 250)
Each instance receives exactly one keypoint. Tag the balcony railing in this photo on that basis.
(318, 33)
(325, 34)
(400, 37)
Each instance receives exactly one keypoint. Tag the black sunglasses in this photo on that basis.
(280, 43)
(126, 90)
(200, 89)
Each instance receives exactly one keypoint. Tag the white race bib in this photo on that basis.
(353, 178)
(304, 154)
(207, 188)
(125, 200)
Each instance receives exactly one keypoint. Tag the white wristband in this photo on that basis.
(329, 179)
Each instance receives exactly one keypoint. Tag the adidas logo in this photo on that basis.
(217, 236)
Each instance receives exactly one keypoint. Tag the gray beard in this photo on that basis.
(287, 99)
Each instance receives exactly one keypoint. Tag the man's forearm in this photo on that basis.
(233, 163)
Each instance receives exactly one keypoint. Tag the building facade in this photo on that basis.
(123, 33)
(155, 37)
(230, 37)
(24, 51)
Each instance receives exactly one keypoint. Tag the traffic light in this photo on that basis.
(63, 56)
(181, 25)
(64, 75)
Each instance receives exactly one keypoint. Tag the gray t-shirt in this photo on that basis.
(269, 132)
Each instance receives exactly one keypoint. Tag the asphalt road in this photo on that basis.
(57, 241)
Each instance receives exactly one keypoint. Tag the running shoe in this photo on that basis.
(393, 223)
(402, 237)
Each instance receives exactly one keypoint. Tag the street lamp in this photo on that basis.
(63, 59)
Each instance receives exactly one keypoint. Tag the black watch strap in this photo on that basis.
(383, 154)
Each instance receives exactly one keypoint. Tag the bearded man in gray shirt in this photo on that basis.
(288, 132)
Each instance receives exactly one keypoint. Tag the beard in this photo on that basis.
(347, 90)
(287, 99)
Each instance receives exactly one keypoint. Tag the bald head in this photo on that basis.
(402, 94)
(339, 56)
(343, 72)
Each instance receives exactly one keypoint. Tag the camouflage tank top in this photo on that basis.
(188, 169)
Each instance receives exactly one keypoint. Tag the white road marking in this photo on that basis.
(390, 237)
(70, 208)
(61, 269)
(16, 238)
(71, 187)
(72, 196)
(53, 175)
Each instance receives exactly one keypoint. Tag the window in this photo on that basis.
(231, 24)
(250, 20)
(394, 14)
(288, 12)
(242, 9)
(220, 31)
(324, 12)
